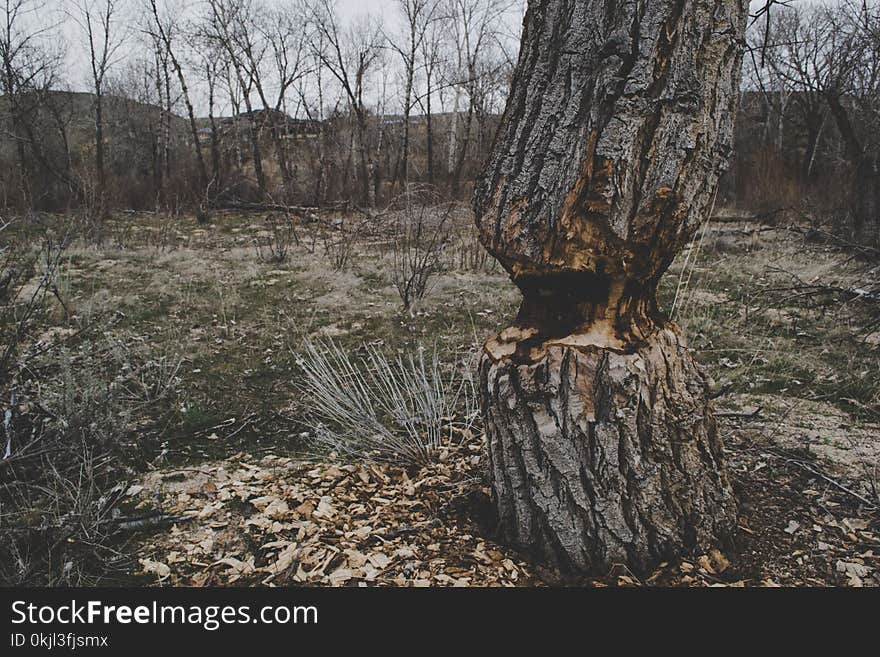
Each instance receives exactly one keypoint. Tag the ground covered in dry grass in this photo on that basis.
(178, 344)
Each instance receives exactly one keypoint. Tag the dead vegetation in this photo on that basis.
(175, 352)
(421, 234)
(275, 243)
(281, 521)
(402, 410)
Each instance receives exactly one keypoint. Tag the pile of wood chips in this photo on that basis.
(278, 521)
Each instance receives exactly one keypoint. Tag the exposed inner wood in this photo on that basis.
(578, 309)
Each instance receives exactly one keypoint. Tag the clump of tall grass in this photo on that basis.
(403, 409)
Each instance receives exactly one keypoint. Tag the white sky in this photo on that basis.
(76, 71)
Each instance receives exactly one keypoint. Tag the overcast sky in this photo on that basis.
(76, 59)
(60, 12)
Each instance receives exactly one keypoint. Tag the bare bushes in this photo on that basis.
(373, 407)
(80, 412)
(339, 239)
(467, 252)
(27, 277)
(421, 233)
(274, 245)
(86, 417)
(90, 217)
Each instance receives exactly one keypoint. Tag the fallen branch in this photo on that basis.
(150, 522)
(304, 211)
(723, 390)
(816, 471)
(760, 217)
(813, 233)
(802, 289)
(744, 416)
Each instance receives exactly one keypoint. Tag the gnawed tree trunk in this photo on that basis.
(602, 444)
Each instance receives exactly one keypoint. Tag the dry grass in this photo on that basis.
(192, 343)
(404, 409)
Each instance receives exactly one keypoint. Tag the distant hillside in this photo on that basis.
(58, 138)
(74, 112)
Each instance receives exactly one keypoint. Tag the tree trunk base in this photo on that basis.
(600, 457)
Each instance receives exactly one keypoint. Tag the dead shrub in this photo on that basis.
(77, 409)
(339, 239)
(421, 234)
(278, 239)
(468, 253)
(81, 427)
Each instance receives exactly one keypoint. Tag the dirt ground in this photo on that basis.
(244, 501)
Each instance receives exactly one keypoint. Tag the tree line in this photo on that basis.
(190, 106)
(809, 130)
(280, 101)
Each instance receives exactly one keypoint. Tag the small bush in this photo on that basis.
(76, 435)
(340, 238)
(468, 254)
(376, 408)
(280, 236)
(420, 237)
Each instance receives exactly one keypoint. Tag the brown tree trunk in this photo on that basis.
(602, 444)
(455, 186)
(216, 175)
(99, 143)
(429, 127)
(256, 151)
(366, 168)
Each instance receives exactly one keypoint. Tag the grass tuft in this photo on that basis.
(400, 410)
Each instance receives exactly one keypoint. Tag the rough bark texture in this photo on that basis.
(619, 123)
(599, 457)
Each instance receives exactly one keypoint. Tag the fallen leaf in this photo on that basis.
(157, 568)
(719, 560)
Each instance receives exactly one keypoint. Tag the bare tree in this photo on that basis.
(602, 445)
(349, 55)
(227, 23)
(315, 112)
(29, 71)
(16, 48)
(829, 57)
(418, 18)
(98, 21)
(474, 26)
(210, 65)
(853, 97)
(277, 34)
(432, 60)
(164, 27)
(791, 72)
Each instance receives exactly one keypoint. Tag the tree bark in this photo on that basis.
(619, 123)
(99, 141)
(429, 127)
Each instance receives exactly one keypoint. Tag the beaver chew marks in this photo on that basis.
(601, 441)
(581, 309)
